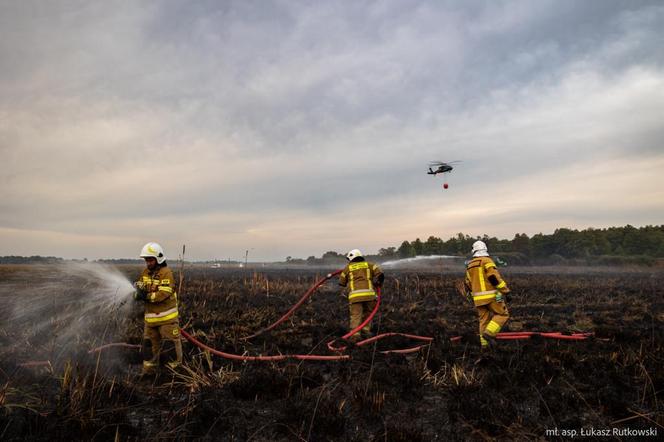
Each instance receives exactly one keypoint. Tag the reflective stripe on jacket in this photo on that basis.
(484, 281)
(161, 303)
(360, 278)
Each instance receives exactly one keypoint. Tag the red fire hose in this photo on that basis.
(199, 344)
(332, 347)
(329, 344)
(297, 304)
(506, 336)
(510, 336)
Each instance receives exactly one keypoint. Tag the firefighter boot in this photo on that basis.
(150, 364)
(485, 344)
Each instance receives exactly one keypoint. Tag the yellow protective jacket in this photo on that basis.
(161, 303)
(483, 280)
(361, 277)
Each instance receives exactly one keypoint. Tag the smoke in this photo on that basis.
(413, 262)
(59, 312)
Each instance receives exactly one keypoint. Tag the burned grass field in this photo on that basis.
(52, 387)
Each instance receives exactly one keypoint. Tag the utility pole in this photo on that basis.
(246, 255)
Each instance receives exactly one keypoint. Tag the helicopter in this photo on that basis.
(441, 167)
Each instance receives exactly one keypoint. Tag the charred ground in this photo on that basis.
(519, 391)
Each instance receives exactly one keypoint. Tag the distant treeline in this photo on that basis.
(30, 260)
(121, 261)
(55, 260)
(610, 246)
(328, 258)
(642, 245)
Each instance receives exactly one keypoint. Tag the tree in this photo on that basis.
(433, 246)
(521, 244)
(406, 250)
(388, 252)
(465, 243)
(418, 246)
(564, 242)
(542, 245)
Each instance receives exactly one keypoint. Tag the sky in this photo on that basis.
(290, 128)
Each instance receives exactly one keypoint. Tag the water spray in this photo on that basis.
(415, 260)
(64, 304)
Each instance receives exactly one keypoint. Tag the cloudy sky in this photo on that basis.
(297, 127)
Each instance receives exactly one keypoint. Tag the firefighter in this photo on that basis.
(361, 277)
(489, 292)
(156, 288)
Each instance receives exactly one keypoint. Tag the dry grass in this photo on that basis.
(101, 395)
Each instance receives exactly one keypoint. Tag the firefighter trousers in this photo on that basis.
(161, 344)
(359, 311)
(492, 317)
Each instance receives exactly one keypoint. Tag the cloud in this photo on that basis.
(295, 128)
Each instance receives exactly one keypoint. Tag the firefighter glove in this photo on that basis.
(140, 294)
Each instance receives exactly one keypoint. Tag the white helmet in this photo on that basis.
(154, 250)
(353, 254)
(479, 249)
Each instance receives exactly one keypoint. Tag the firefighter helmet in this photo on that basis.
(479, 249)
(353, 254)
(154, 250)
